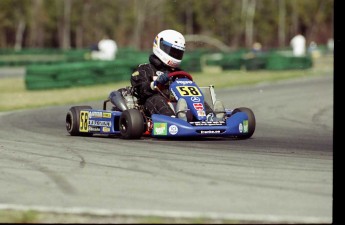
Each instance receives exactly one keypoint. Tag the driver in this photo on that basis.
(168, 49)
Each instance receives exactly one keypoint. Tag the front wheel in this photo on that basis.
(251, 121)
(131, 124)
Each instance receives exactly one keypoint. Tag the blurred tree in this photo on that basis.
(81, 23)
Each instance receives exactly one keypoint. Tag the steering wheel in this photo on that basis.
(173, 76)
(180, 74)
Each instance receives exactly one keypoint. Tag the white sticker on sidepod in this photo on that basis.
(240, 127)
(173, 129)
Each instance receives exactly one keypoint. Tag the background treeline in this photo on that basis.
(67, 24)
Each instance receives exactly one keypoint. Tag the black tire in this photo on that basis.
(73, 121)
(131, 124)
(251, 121)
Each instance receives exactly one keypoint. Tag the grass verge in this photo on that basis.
(14, 96)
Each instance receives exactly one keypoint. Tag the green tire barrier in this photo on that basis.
(65, 75)
(191, 63)
(255, 62)
(10, 57)
(286, 61)
(75, 70)
(231, 62)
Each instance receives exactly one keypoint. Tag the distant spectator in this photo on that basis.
(255, 51)
(106, 49)
(257, 48)
(298, 44)
(313, 50)
(330, 45)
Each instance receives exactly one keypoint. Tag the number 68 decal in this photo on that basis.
(84, 121)
(188, 91)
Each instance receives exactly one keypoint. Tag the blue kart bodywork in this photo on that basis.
(107, 122)
(132, 123)
(165, 126)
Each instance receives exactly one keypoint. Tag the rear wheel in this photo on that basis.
(251, 121)
(131, 124)
(73, 120)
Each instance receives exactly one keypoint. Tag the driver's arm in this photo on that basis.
(141, 80)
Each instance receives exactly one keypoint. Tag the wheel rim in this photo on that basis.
(124, 125)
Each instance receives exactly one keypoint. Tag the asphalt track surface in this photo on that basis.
(283, 174)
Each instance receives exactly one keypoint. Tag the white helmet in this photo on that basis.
(169, 46)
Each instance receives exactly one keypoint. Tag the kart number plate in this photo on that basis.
(84, 121)
(188, 91)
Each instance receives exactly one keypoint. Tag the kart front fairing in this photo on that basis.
(187, 89)
(165, 126)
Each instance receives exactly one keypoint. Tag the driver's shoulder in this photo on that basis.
(146, 67)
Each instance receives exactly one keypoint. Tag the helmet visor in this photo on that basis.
(171, 50)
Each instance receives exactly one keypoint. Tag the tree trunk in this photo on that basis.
(250, 23)
(140, 11)
(79, 39)
(34, 35)
(66, 27)
(19, 35)
(294, 18)
(189, 20)
(281, 29)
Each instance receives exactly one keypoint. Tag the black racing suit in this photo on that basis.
(152, 100)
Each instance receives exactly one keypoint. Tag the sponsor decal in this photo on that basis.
(173, 129)
(195, 99)
(95, 115)
(159, 73)
(178, 47)
(201, 113)
(240, 128)
(210, 131)
(198, 106)
(245, 126)
(100, 123)
(172, 64)
(160, 128)
(94, 129)
(106, 129)
(136, 73)
(106, 115)
(155, 41)
(184, 81)
(208, 123)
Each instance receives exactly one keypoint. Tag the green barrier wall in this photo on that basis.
(286, 61)
(253, 61)
(66, 75)
(72, 69)
(9, 57)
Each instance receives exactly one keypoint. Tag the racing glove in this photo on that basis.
(161, 79)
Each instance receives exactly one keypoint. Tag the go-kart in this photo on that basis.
(127, 119)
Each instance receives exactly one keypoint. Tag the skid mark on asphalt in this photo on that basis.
(60, 181)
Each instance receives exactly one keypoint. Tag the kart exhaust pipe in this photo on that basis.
(117, 99)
